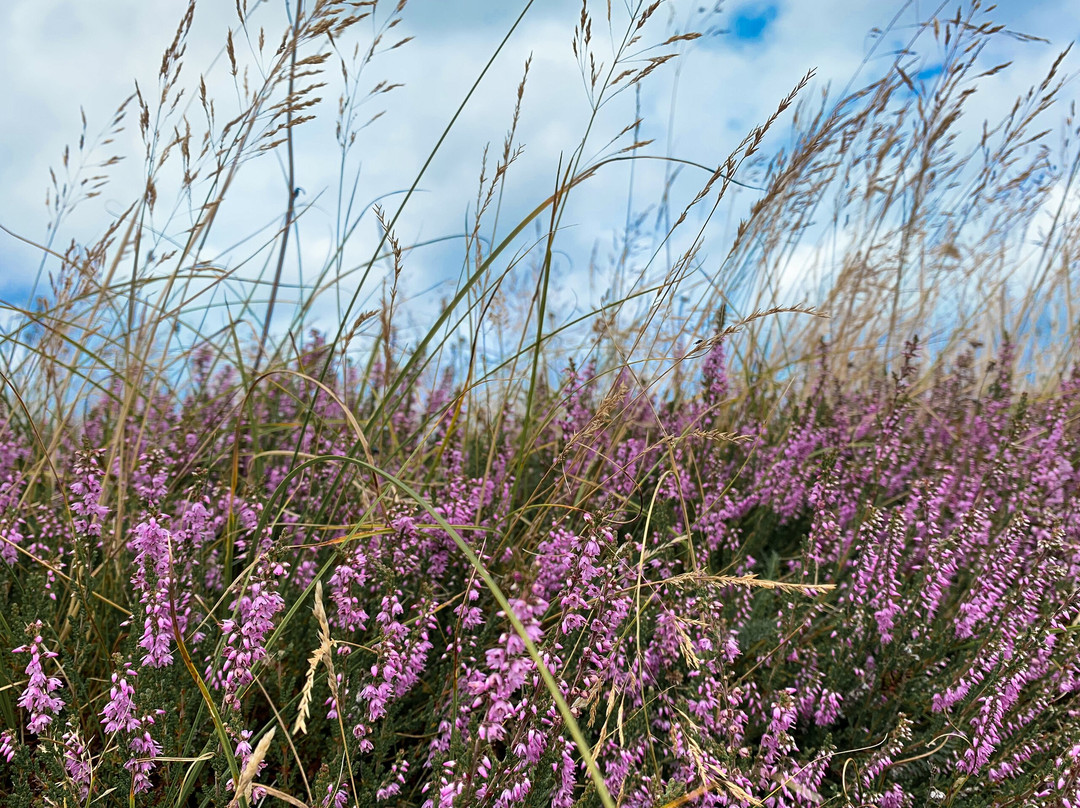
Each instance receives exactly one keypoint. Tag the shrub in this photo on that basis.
(305, 571)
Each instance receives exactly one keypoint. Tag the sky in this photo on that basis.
(63, 58)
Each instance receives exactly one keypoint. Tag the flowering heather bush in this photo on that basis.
(679, 564)
(874, 599)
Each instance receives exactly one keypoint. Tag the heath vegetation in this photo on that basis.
(766, 548)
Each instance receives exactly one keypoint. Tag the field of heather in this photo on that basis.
(713, 539)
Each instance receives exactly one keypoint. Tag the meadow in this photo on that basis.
(785, 546)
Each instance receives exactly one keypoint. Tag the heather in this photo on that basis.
(767, 553)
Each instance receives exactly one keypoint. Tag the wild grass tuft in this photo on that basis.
(765, 548)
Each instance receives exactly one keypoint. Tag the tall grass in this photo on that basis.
(767, 549)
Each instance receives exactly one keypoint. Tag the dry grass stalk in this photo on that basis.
(281, 795)
(604, 414)
(749, 580)
(247, 776)
(323, 654)
(705, 434)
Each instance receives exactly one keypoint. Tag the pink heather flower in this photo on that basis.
(894, 798)
(514, 794)
(119, 713)
(37, 698)
(402, 654)
(198, 523)
(336, 797)
(7, 745)
(361, 732)
(345, 584)
(50, 576)
(87, 493)
(884, 755)
(331, 702)
(150, 477)
(145, 749)
(714, 380)
(566, 774)
(243, 754)
(10, 538)
(157, 631)
(248, 514)
(533, 747)
(776, 741)
(450, 787)
(77, 761)
(244, 637)
(579, 403)
(394, 781)
(151, 546)
(152, 580)
(470, 616)
(988, 724)
(828, 708)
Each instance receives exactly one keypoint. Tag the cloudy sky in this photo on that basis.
(62, 56)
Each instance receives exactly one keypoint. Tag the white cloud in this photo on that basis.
(60, 54)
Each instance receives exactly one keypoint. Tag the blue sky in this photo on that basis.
(58, 56)
(750, 23)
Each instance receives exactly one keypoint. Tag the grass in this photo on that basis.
(750, 551)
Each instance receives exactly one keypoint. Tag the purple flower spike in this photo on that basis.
(37, 699)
